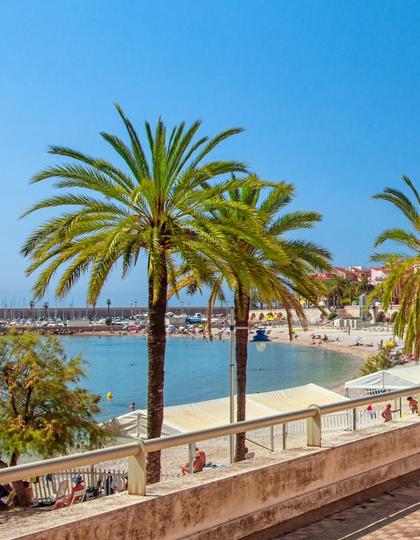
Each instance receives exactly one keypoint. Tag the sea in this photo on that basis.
(198, 370)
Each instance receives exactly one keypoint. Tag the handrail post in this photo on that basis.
(137, 472)
(284, 429)
(272, 438)
(396, 405)
(191, 453)
(354, 418)
(313, 428)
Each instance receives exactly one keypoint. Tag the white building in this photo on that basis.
(377, 275)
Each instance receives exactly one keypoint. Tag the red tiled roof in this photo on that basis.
(321, 277)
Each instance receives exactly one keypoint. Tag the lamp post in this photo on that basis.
(260, 346)
(232, 383)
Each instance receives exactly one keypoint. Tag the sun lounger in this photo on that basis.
(78, 496)
(61, 491)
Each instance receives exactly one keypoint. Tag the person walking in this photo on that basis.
(413, 404)
(387, 413)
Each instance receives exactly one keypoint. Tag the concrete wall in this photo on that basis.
(247, 498)
(313, 315)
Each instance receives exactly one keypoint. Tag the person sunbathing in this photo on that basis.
(65, 501)
(198, 464)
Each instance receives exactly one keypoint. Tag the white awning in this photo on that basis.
(409, 372)
(391, 379)
(215, 412)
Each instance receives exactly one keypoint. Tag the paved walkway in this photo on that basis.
(393, 516)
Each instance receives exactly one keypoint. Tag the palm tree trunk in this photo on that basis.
(242, 304)
(289, 324)
(156, 343)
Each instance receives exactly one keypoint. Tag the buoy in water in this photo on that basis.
(109, 395)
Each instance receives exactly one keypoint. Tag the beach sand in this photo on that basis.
(346, 341)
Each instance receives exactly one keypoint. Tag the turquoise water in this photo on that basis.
(197, 370)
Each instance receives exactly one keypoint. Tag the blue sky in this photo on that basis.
(327, 91)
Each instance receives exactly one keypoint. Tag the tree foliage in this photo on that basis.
(43, 410)
(163, 201)
(403, 280)
(278, 268)
(378, 361)
(344, 291)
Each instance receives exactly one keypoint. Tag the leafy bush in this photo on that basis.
(379, 361)
(43, 410)
(332, 315)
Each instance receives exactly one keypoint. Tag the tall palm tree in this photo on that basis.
(403, 266)
(279, 269)
(281, 272)
(364, 285)
(160, 203)
(351, 289)
(337, 289)
(216, 293)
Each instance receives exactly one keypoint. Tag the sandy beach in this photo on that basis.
(338, 340)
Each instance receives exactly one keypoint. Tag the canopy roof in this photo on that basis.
(410, 373)
(380, 380)
(215, 412)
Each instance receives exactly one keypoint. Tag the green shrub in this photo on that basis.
(379, 361)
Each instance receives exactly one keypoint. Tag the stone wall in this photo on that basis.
(247, 498)
(313, 315)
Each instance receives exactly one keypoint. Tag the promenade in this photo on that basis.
(392, 516)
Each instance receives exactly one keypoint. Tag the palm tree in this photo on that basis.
(215, 294)
(160, 203)
(337, 289)
(281, 272)
(278, 270)
(364, 285)
(351, 289)
(403, 266)
(45, 306)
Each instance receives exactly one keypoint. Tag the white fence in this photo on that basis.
(137, 450)
(103, 482)
(331, 423)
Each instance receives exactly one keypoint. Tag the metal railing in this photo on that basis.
(136, 450)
